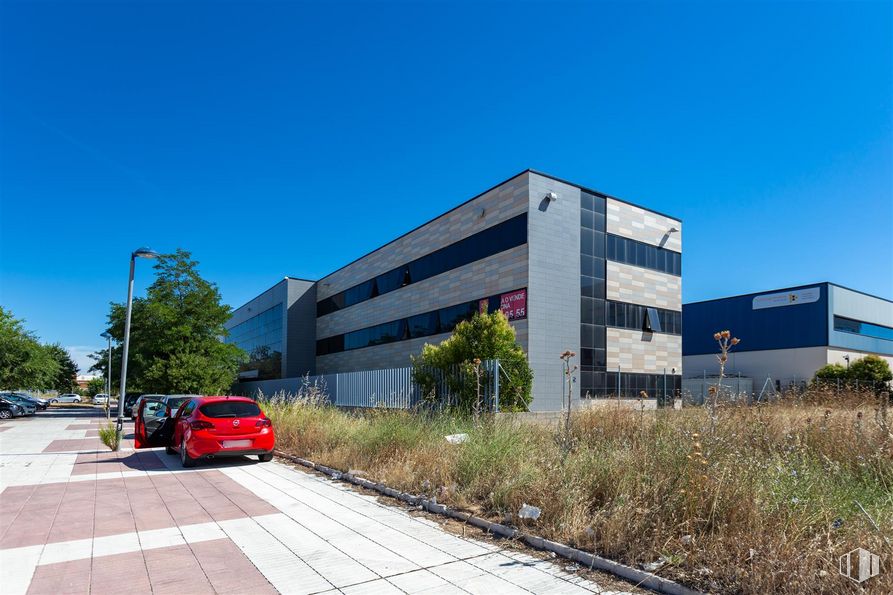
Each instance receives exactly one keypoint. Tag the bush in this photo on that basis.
(870, 371)
(109, 436)
(457, 360)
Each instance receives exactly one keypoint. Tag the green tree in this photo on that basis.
(175, 333)
(24, 362)
(96, 386)
(64, 380)
(831, 372)
(870, 370)
(484, 337)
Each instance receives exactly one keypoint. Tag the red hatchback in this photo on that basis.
(205, 428)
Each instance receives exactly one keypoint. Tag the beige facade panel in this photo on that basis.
(635, 285)
(497, 274)
(645, 226)
(645, 353)
(501, 203)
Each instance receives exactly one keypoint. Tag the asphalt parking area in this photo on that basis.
(77, 518)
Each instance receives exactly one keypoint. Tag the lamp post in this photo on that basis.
(138, 253)
(108, 375)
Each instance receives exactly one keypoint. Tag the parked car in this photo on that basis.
(129, 401)
(8, 409)
(205, 428)
(100, 399)
(173, 402)
(41, 404)
(137, 401)
(66, 398)
(28, 405)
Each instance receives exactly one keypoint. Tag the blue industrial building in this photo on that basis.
(788, 334)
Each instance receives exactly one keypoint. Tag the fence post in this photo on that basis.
(496, 367)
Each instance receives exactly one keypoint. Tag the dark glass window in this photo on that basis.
(426, 324)
(856, 327)
(628, 251)
(642, 318)
(493, 240)
(261, 338)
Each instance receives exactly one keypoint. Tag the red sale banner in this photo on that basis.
(514, 304)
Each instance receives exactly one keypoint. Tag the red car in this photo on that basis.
(205, 428)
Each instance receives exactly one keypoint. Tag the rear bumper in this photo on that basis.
(203, 444)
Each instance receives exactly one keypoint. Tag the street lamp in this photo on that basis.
(138, 253)
(108, 375)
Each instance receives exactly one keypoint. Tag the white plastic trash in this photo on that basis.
(529, 512)
(456, 438)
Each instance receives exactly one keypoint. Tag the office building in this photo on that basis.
(572, 268)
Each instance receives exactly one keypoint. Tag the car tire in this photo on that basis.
(53, 401)
(185, 459)
(265, 458)
(5, 414)
(170, 450)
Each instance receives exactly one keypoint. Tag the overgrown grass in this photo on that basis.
(766, 503)
(109, 436)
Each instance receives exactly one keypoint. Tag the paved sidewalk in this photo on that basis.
(76, 518)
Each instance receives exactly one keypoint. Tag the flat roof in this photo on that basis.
(476, 196)
(782, 289)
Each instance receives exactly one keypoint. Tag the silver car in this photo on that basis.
(66, 398)
(136, 406)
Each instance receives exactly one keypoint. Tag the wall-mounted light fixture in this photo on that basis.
(551, 196)
(673, 230)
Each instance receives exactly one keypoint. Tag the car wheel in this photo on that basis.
(265, 458)
(5, 414)
(53, 401)
(185, 459)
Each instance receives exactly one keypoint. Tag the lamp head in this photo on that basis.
(145, 253)
(105, 335)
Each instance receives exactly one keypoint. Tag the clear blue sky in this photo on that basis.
(288, 138)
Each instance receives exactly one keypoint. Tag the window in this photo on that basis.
(643, 318)
(652, 320)
(230, 409)
(629, 251)
(493, 240)
(261, 337)
(426, 324)
(867, 329)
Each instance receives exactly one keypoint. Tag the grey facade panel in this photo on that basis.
(553, 296)
(300, 332)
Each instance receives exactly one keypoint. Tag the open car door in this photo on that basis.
(152, 425)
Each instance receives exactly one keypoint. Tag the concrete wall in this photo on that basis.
(637, 351)
(500, 203)
(786, 365)
(639, 224)
(300, 334)
(553, 299)
(836, 356)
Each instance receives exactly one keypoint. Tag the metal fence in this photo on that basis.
(391, 388)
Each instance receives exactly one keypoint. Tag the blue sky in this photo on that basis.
(288, 138)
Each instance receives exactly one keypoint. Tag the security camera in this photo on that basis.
(552, 196)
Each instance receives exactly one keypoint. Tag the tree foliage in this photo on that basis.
(66, 375)
(484, 337)
(96, 386)
(175, 333)
(24, 362)
(870, 370)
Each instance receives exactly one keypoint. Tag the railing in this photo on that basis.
(391, 388)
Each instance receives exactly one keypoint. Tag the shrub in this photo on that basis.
(109, 436)
(484, 337)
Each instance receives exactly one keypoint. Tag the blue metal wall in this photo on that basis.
(784, 327)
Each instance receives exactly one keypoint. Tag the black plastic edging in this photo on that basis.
(639, 577)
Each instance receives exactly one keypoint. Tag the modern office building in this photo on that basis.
(572, 268)
(788, 334)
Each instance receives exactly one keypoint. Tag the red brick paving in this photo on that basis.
(75, 444)
(61, 578)
(228, 569)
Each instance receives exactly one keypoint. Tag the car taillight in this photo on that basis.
(201, 425)
(264, 423)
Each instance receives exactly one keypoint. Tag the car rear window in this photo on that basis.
(230, 409)
(174, 404)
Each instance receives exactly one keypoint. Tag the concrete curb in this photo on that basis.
(639, 577)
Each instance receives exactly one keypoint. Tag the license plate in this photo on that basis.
(236, 443)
